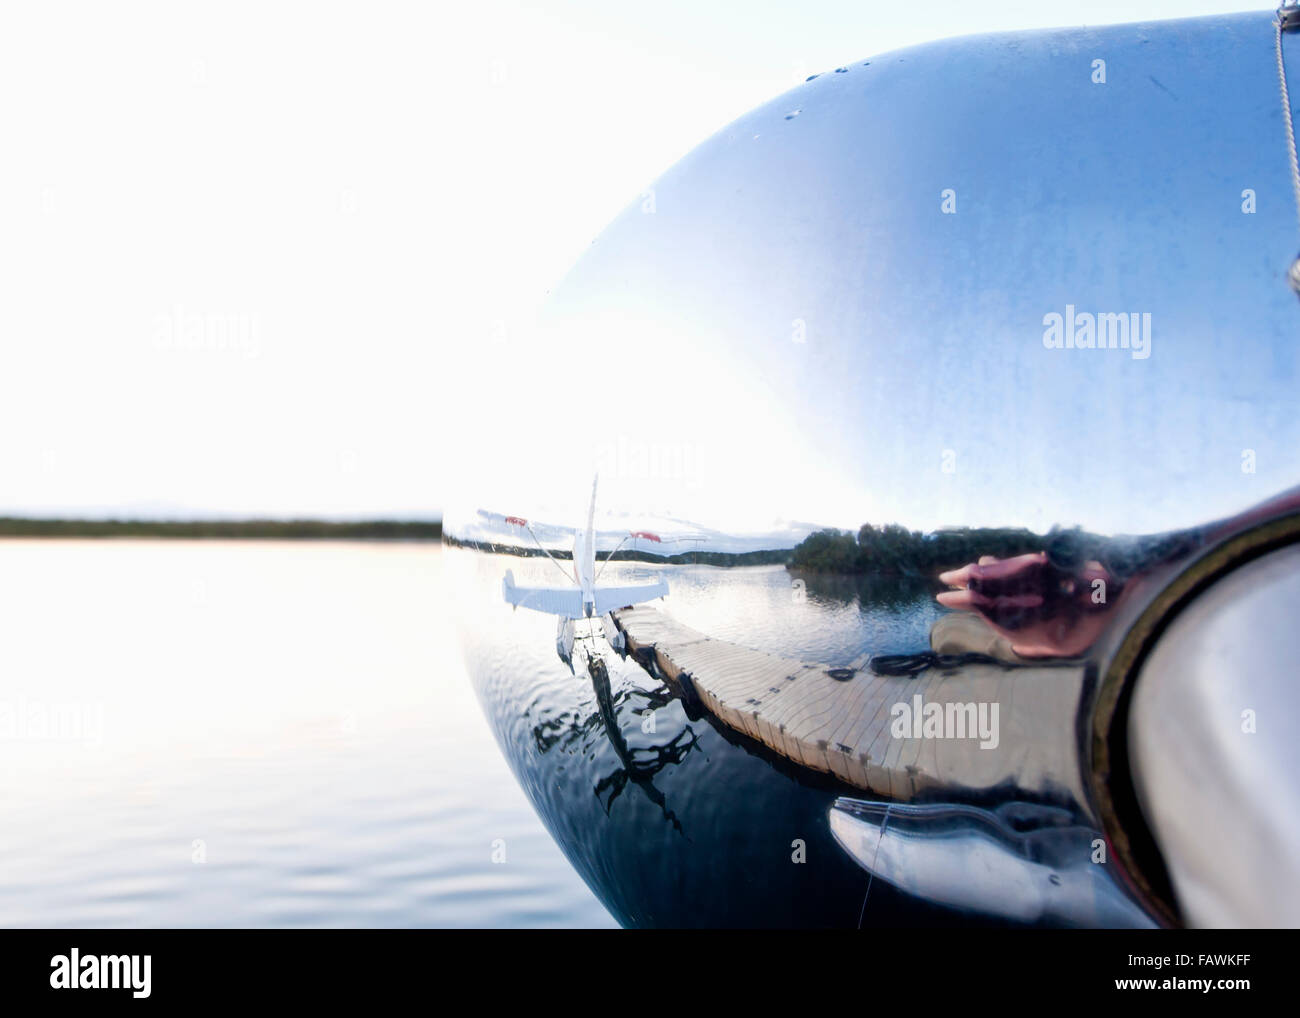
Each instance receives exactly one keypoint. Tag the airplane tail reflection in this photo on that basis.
(637, 765)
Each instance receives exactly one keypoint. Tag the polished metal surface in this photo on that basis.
(1019, 861)
(1215, 752)
(1032, 286)
(795, 327)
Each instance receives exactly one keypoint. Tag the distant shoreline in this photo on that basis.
(260, 529)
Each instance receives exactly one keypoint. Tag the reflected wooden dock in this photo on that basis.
(800, 710)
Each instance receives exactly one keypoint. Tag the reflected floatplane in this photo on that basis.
(582, 597)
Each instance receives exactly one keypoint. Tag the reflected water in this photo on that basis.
(812, 616)
(682, 821)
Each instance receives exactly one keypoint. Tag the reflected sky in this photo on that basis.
(922, 333)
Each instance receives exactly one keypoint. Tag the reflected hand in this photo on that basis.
(1043, 610)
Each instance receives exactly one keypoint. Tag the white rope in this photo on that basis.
(554, 561)
(610, 556)
(1293, 276)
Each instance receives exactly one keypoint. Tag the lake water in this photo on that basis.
(254, 734)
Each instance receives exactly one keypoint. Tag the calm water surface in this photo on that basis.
(254, 734)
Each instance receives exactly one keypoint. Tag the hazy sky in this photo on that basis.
(238, 244)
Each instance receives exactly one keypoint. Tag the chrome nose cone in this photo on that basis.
(931, 391)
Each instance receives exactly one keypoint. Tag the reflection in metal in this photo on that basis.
(853, 728)
(581, 597)
(612, 634)
(1005, 314)
(638, 771)
(637, 765)
(1019, 861)
(564, 635)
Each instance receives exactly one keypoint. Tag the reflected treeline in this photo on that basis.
(778, 556)
(894, 591)
(893, 551)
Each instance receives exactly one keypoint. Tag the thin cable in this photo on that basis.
(548, 554)
(1293, 276)
(1286, 118)
(871, 873)
(665, 540)
(610, 556)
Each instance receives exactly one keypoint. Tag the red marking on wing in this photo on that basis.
(518, 521)
(648, 536)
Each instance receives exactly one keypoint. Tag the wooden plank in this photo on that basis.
(844, 728)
